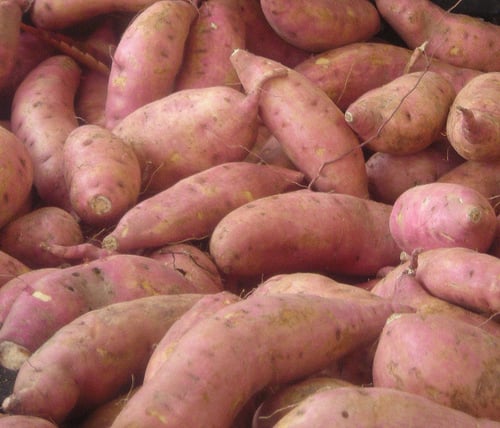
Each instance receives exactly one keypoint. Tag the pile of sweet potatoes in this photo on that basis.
(249, 214)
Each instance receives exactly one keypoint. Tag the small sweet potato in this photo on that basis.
(307, 123)
(307, 231)
(192, 207)
(413, 349)
(403, 116)
(94, 358)
(473, 124)
(25, 236)
(437, 215)
(318, 25)
(102, 173)
(148, 57)
(458, 39)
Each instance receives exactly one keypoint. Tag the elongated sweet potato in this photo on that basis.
(274, 340)
(92, 359)
(346, 407)
(411, 353)
(438, 215)
(218, 30)
(189, 131)
(157, 36)
(24, 237)
(68, 293)
(192, 207)
(102, 174)
(310, 234)
(457, 39)
(16, 175)
(308, 125)
(473, 125)
(319, 25)
(23, 421)
(42, 117)
(403, 116)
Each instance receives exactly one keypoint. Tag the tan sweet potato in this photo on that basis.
(457, 39)
(10, 28)
(413, 349)
(148, 57)
(403, 116)
(24, 237)
(42, 117)
(275, 339)
(318, 25)
(473, 125)
(192, 207)
(102, 173)
(346, 407)
(310, 234)
(438, 215)
(94, 358)
(308, 125)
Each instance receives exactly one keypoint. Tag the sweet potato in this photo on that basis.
(157, 36)
(403, 116)
(319, 25)
(16, 175)
(482, 176)
(10, 267)
(189, 131)
(473, 124)
(390, 175)
(218, 30)
(274, 340)
(42, 117)
(458, 39)
(102, 173)
(23, 421)
(308, 125)
(92, 359)
(70, 292)
(10, 28)
(413, 349)
(346, 407)
(202, 309)
(25, 236)
(310, 234)
(438, 215)
(196, 265)
(192, 207)
(347, 72)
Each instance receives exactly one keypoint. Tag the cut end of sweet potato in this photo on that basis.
(110, 243)
(12, 355)
(101, 204)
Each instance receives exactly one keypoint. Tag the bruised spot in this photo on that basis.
(345, 414)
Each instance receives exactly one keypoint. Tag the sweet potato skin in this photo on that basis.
(10, 24)
(437, 215)
(240, 243)
(413, 348)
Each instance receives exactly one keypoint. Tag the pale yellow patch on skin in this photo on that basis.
(199, 215)
(320, 151)
(248, 195)
(322, 61)
(455, 51)
(42, 296)
(120, 81)
(175, 157)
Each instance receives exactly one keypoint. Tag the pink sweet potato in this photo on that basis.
(309, 232)
(473, 125)
(42, 117)
(403, 116)
(347, 407)
(189, 131)
(271, 339)
(308, 125)
(192, 207)
(93, 358)
(458, 39)
(24, 421)
(413, 349)
(16, 175)
(10, 267)
(438, 215)
(102, 174)
(218, 30)
(318, 25)
(25, 236)
(68, 293)
(155, 37)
